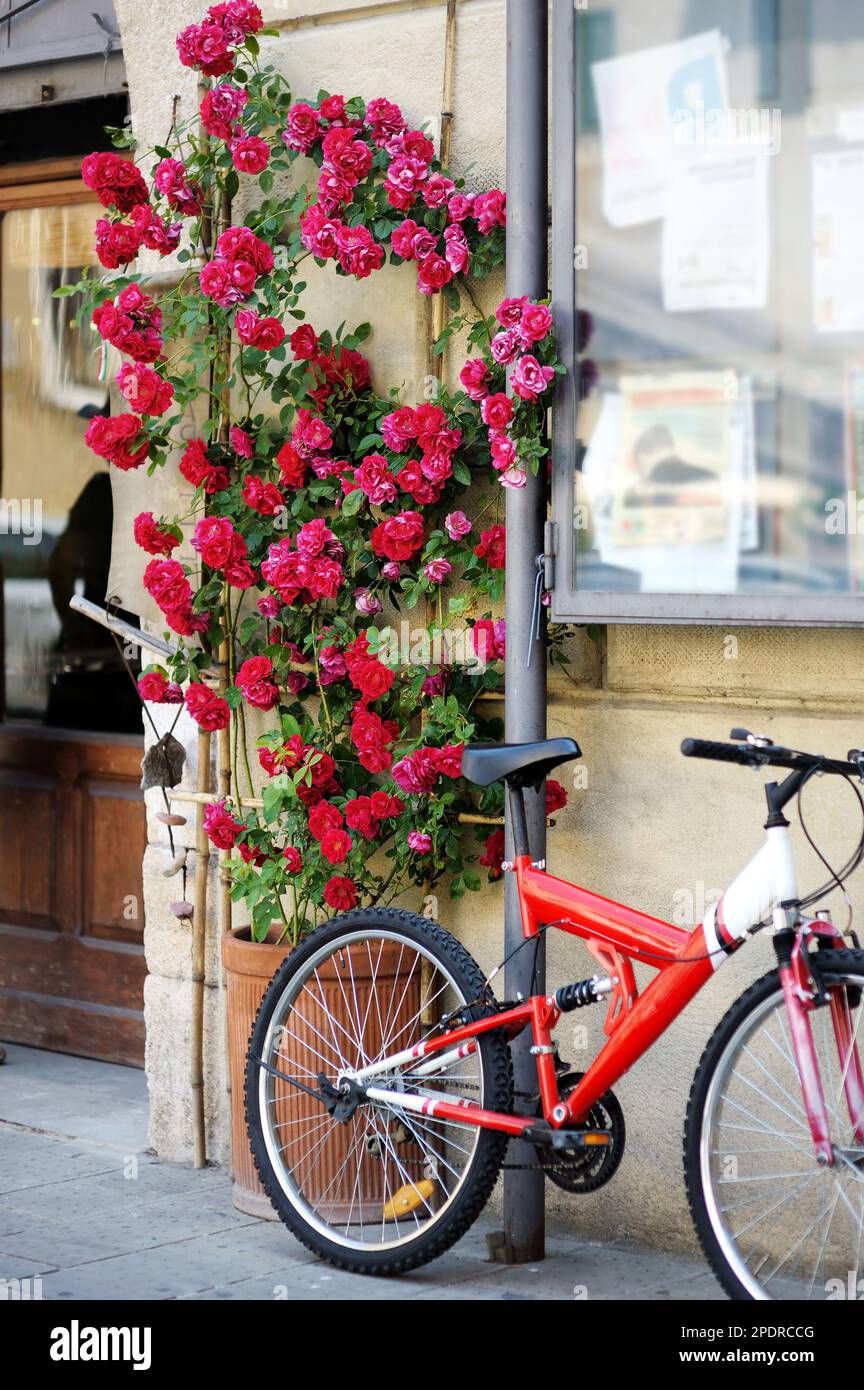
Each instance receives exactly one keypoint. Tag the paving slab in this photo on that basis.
(94, 1216)
(75, 1096)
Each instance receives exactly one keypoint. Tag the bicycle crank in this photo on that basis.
(585, 1167)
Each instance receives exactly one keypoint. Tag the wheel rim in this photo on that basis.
(787, 1228)
(350, 1181)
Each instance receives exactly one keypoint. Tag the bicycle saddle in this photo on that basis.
(522, 764)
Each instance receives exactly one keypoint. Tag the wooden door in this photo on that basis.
(72, 824)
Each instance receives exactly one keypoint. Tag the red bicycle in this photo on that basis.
(379, 1086)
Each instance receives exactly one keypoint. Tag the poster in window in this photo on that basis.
(667, 481)
(641, 98)
(838, 235)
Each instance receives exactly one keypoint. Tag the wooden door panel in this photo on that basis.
(114, 839)
(27, 826)
(72, 838)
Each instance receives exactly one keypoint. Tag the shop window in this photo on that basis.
(708, 219)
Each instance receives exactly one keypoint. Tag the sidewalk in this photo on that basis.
(85, 1209)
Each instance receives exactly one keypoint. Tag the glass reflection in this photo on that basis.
(57, 514)
(720, 197)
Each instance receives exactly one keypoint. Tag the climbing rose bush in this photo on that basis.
(322, 511)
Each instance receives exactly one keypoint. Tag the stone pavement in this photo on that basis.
(86, 1210)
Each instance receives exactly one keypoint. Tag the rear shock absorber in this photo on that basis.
(571, 997)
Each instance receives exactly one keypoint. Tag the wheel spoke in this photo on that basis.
(379, 1177)
(786, 1232)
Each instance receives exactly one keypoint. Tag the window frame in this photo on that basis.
(569, 603)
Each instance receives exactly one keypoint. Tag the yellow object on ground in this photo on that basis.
(408, 1198)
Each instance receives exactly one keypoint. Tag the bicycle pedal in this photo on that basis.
(566, 1138)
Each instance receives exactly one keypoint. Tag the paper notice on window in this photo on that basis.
(716, 244)
(838, 237)
(667, 484)
(641, 100)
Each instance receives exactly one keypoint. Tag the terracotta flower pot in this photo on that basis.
(249, 967)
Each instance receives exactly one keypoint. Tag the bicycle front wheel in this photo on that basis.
(772, 1222)
(381, 1189)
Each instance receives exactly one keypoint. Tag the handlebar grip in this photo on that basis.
(716, 752)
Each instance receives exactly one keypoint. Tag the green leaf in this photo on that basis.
(353, 502)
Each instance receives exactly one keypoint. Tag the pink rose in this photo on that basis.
(474, 377)
(529, 379)
(433, 273)
(509, 312)
(366, 603)
(536, 324)
(249, 154)
(490, 211)
(376, 480)
(457, 525)
(436, 571)
(304, 127)
(221, 109)
(460, 206)
(505, 346)
(456, 250)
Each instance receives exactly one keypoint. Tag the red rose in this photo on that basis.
(399, 537)
(264, 334)
(144, 389)
(166, 583)
(293, 859)
(116, 181)
(255, 679)
(304, 342)
(360, 816)
(111, 437)
(153, 687)
(335, 846)
(384, 806)
(207, 708)
(371, 736)
(493, 857)
(213, 539)
(324, 816)
(492, 547)
(117, 243)
(448, 760)
(264, 498)
(497, 411)
(249, 154)
(291, 466)
(197, 469)
(340, 894)
(556, 796)
(221, 827)
(151, 536)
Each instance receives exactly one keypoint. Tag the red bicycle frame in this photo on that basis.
(684, 960)
(614, 934)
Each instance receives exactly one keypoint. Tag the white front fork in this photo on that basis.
(768, 880)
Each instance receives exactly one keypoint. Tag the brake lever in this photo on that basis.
(856, 756)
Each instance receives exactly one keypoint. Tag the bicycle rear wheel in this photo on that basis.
(383, 1190)
(773, 1224)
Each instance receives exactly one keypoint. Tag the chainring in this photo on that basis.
(585, 1170)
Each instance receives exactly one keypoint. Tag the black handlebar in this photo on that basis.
(770, 755)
